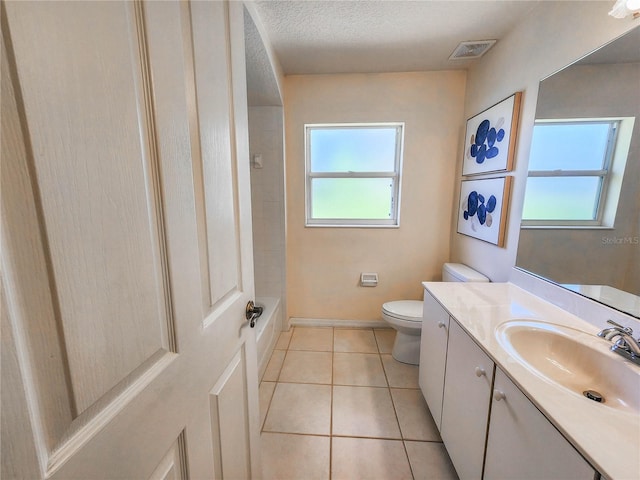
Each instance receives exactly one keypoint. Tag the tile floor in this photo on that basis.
(336, 405)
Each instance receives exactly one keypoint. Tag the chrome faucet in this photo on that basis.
(617, 329)
(625, 345)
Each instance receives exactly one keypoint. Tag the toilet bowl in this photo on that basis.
(406, 315)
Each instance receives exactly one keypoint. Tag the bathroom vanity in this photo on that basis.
(503, 373)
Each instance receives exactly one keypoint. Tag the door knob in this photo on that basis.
(498, 395)
(252, 312)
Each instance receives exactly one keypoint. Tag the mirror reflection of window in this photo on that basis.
(570, 168)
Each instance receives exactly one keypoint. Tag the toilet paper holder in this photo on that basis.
(368, 279)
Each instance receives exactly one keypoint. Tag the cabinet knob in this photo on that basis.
(441, 324)
(480, 372)
(498, 395)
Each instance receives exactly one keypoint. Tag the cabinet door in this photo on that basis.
(523, 444)
(433, 354)
(465, 409)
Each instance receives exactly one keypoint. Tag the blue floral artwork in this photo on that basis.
(490, 138)
(485, 143)
(476, 206)
(482, 208)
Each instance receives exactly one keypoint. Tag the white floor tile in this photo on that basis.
(284, 339)
(385, 338)
(295, 457)
(400, 375)
(359, 340)
(368, 459)
(300, 408)
(414, 417)
(364, 412)
(368, 422)
(311, 338)
(364, 369)
(306, 367)
(265, 393)
(430, 461)
(272, 371)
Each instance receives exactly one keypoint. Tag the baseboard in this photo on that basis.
(334, 322)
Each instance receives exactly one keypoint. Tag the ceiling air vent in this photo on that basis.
(472, 49)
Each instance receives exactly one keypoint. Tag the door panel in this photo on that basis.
(92, 191)
(228, 421)
(214, 169)
(174, 465)
(111, 343)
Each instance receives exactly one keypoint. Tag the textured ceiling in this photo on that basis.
(320, 37)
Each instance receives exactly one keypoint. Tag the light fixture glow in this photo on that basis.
(623, 8)
(633, 5)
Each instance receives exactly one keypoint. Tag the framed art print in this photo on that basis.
(490, 138)
(483, 209)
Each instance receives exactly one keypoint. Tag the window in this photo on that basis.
(570, 167)
(353, 174)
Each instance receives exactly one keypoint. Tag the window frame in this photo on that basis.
(396, 175)
(599, 220)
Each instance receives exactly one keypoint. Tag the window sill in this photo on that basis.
(566, 227)
(333, 225)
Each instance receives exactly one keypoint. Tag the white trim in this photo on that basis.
(334, 322)
(565, 226)
(348, 224)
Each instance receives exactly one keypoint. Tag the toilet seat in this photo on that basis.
(407, 310)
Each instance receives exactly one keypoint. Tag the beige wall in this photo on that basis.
(553, 36)
(324, 264)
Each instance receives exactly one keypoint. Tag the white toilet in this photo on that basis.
(406, 315)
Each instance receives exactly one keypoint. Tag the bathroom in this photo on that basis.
(431, 104)
(321, 293)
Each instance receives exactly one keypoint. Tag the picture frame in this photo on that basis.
(483, 208)
(490, 138)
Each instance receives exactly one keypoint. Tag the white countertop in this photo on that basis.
(608, 438)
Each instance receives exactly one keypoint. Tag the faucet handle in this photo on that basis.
(621, 327)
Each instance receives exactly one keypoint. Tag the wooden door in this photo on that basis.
(126, 242)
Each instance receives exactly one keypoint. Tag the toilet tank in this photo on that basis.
(458, 272)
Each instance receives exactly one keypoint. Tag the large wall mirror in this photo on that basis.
(581, 217)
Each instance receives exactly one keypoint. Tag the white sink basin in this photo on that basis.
(575, 360)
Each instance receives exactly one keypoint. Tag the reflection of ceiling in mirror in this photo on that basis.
(625, 49)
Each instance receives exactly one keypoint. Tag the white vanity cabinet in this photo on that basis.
(433, 354)
(466, 401)
(523, 444)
